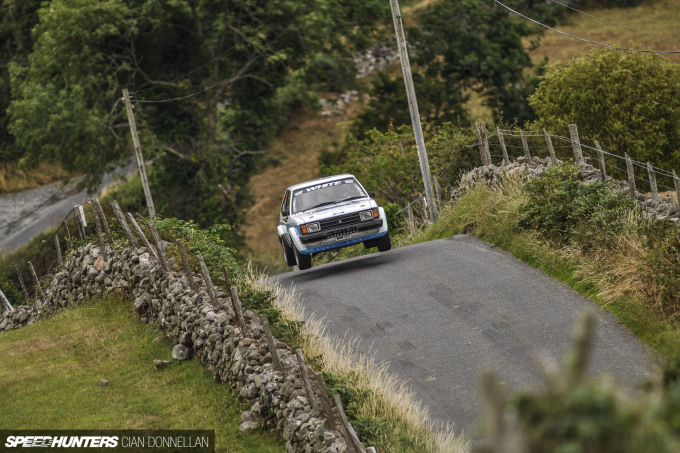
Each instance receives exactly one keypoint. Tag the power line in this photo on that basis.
(188, 95)
(584, 39)
(617, 24)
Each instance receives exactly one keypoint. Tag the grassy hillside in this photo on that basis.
(51, 371)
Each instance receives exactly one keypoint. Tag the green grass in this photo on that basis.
(50, 373)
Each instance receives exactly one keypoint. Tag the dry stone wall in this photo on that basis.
(492, 175)
(197, 327)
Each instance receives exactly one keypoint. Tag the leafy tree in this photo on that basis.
(629, 102)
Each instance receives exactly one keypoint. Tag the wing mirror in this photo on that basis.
(285, 213)
(371, 194)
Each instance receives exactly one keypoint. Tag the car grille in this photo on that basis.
(340, 222)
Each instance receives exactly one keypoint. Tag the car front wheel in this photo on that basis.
(288, 253)
(303, 261)
(384, 243)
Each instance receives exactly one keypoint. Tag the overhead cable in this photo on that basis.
(584, 39)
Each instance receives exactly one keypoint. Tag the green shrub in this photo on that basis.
(564, 210)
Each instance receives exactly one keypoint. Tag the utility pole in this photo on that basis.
(413, 106)
(138, 154)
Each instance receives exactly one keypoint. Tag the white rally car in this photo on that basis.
(329, 213)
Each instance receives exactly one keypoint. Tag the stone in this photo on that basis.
(99, 263)
(92, 273)
(103, 382)
(160, 364)
(181, 352)
(247, 426)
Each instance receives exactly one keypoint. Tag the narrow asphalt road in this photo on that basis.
(442, 311)
(24, 215)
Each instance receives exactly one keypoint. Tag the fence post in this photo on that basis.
(600, 158)
(576, 144)
(98, 229)
(37, 282)
(208, 281)
(353, 438)
(5, 301)
(323, 396)
(676, 182)
(43, 252)
(79, 225)
(123, 224)
(525, 145)
(652, 181)
(68, 233)
(483, 144)
(27, 297)
(185, 262)
(504, 150)
(235, 303)
(99, 212)
(271, 345)
(141, 235)
(551, 149)
(305, 380)
(160, 247)
(631, 176)
(58, 248)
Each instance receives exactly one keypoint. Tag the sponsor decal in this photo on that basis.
(323, 186)
(109, 440)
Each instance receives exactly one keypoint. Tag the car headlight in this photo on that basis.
(368, 215)
(310, 228)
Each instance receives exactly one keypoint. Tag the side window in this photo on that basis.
(285, 204)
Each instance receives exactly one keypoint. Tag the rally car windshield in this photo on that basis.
(326, 194)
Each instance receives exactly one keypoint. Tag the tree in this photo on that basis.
(629, 102)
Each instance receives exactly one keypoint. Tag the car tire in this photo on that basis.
(384, 243)
(303, 261)
(288, 253)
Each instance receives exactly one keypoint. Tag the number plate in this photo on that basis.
(343, 237)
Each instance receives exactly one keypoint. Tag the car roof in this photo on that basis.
(320, 181)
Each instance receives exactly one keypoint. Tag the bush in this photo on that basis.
(564, 210)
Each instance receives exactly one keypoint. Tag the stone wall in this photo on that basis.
(196, 327)
(491, 175)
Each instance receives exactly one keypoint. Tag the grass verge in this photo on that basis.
(51, 372)
(15, 179)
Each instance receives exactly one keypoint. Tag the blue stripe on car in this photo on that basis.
(342, 244)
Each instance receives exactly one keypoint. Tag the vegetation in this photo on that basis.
(629, 102)
(51, 372)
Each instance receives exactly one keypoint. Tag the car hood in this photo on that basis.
(325, 212)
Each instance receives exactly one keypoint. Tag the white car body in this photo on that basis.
(317, 216)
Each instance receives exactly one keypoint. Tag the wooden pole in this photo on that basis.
(353, 438)
(551, 149)
(652, 182)
(600, 158)
(57, 248)
(504, 150)
(576, 145)
(37, 281)
(676, 182)
(68, 234)
(160, 247)
(325, 402)
(5, 301)
(141, 235)
(98, 229)
(235, 302)
(138, 154)
(413, 105)
(631, 176)
(123, 224)
(305, 380)
(80, 228)
(27, 297)
(525, 145)
(271, 345)
(483, 143)
(43, 252)
(185, 262)
(99, 212)
(208, 281)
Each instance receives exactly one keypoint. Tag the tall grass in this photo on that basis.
(15, 179)
(382, 408)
